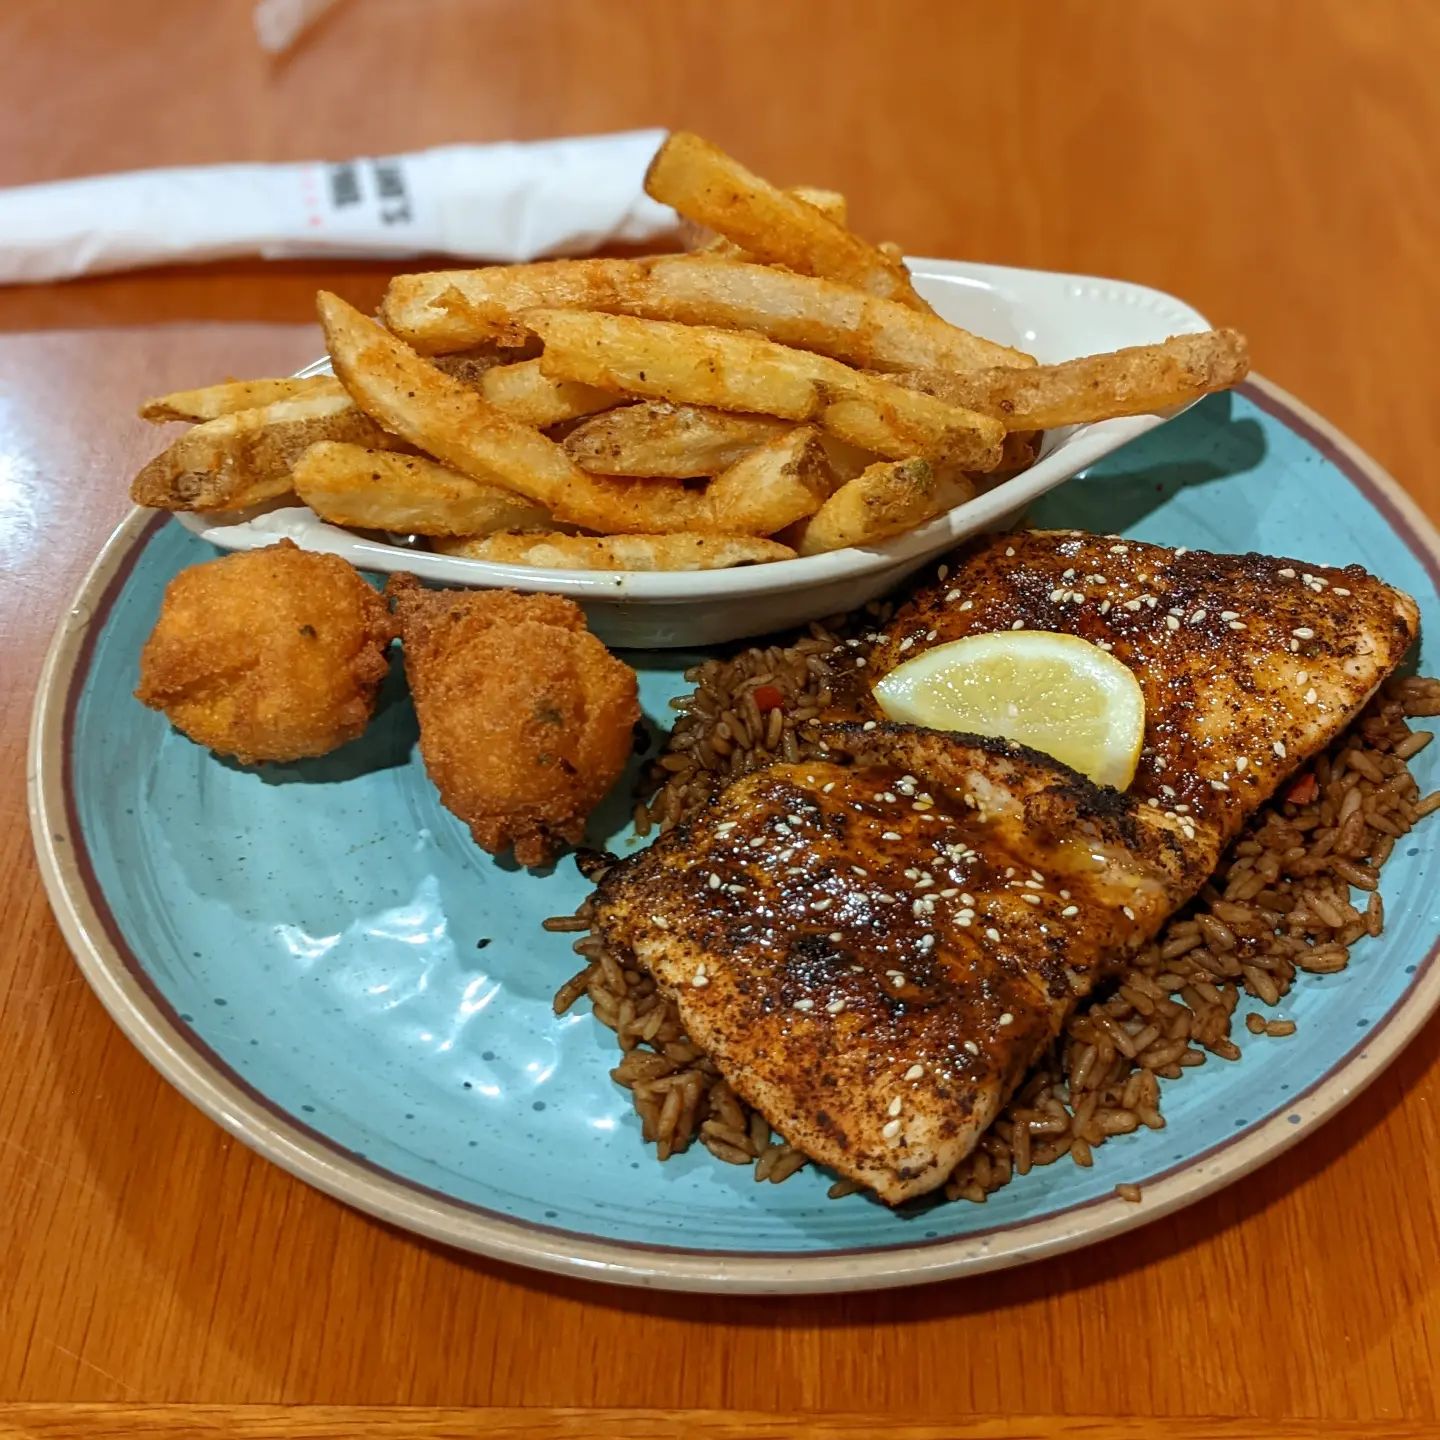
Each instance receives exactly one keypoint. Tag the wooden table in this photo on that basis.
(1272, 160)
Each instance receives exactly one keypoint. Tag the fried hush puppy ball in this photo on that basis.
(272, 654)
(526, 719)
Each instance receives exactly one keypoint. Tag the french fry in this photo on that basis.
(210, 402)
(1136, 381)
(830, 203)
(408, 494)
(470, 366)
(733, 371)
(532, 398)
(437, 414)
(800, 310)
(784, 480)
(657, 438)
(711, 188)
(439, 311)
(804, 311)
(887, 499)
(245, 458)
(619, 552)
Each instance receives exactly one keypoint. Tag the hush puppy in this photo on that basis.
(271, 654)
(526, 719)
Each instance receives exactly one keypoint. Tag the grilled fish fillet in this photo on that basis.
(875, 948)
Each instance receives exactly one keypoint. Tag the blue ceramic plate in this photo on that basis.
(318, 956)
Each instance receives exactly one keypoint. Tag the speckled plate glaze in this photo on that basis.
(319, 958)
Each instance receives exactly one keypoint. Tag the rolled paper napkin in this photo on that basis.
(501, 202)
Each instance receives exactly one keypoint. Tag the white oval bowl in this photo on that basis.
(1053, 316)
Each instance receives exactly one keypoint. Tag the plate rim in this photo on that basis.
(200, 1075)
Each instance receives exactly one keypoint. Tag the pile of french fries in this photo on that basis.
(778, 390)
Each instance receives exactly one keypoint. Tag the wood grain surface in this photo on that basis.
(1274, 161)
(399, 1422)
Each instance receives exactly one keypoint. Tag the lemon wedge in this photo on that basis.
(1056, 693)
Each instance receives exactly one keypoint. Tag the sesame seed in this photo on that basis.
(859, 662)
(968, 901)
(1058, 595)
(1132, 605)
(915, 1072)
(992, 933)
(699, 980)
(1103, 645)
(726, 826)
(821, 904)
(942, 572)
(714, 881)
(971, 1047)
(1064, 894)
(1076, 598)
(1241, 762)
(1068, 574)
(834, 1007)
(1009, 551)
(1127, 912)
(868, 725)
(924, 882)
(1018, 625)
(827, 787)
(858, 870)
(1104, 607)
(931, 634)
(1301, 676)
(1229, 614)
(1218, 785)
(1341, 590)
(1198, 616)
(756, 842)
(895, 1106)
(891, 1129)
(967, 604)
(804, 1006)
(1238, 625)
(1176, 611)
(907, 642)
(889, 834)
(888, 796)
(1119, 549)
(1070, 911)
(1287, 573)
(1007, 1018)
(1171, 623)
(964, 921)
(661, 921)
(1030, 898)
(1311, 696)
(835, 937)
(1279, 748)
(1303, 632)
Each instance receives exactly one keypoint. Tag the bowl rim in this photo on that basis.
(184, 1060)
